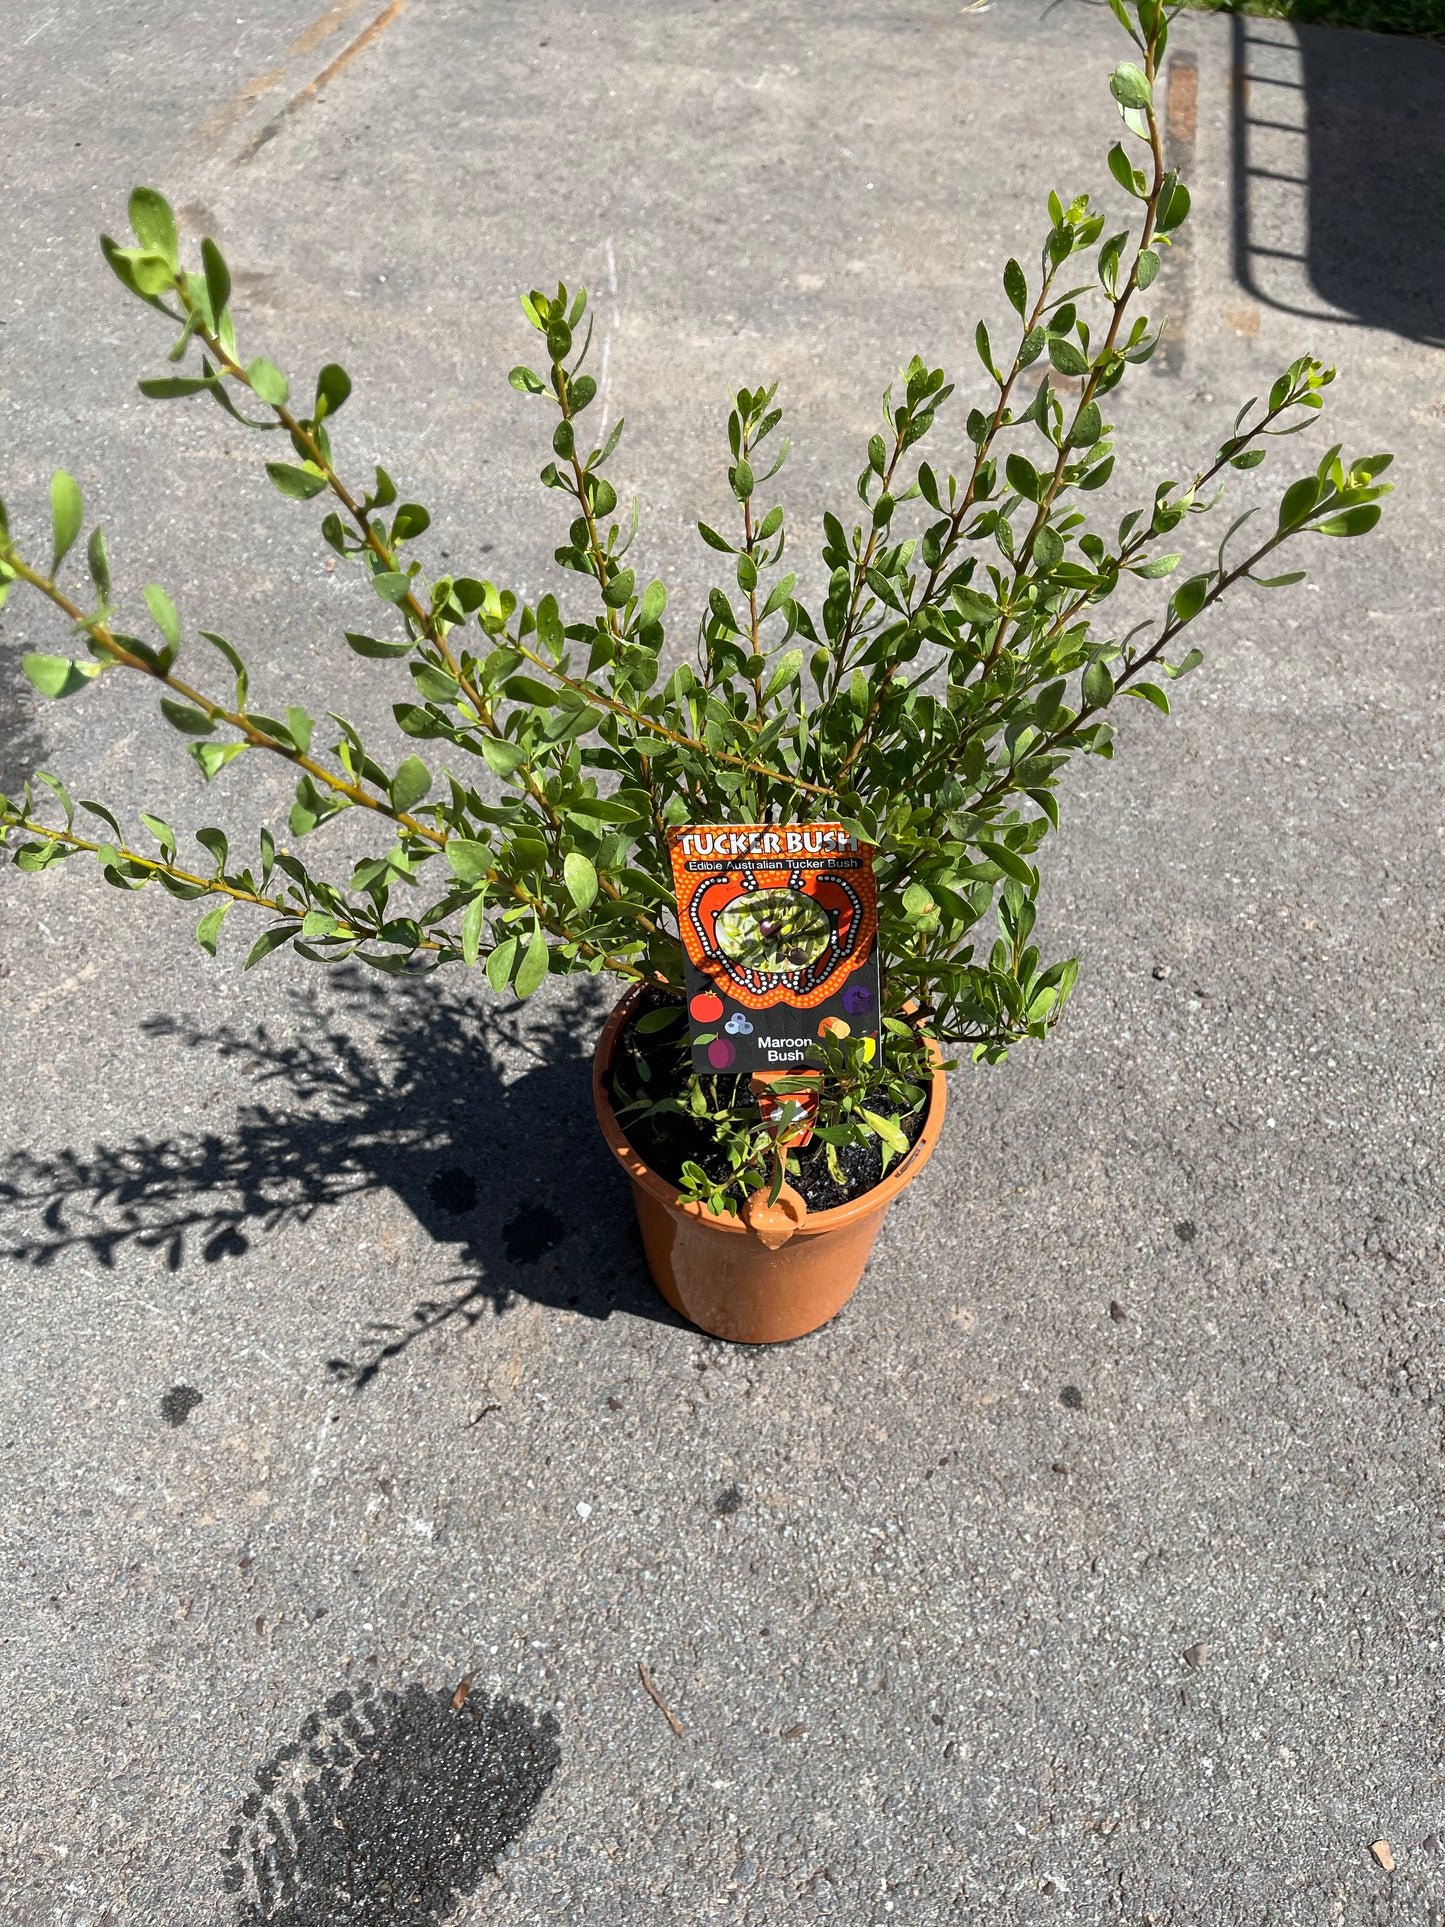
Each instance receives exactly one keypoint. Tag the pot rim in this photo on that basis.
(835, 1218)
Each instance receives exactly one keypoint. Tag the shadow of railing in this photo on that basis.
(401, 1087)
(1339, 174)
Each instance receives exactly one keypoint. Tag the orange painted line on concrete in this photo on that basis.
(309, 92)
(1181, 102)
(1181, 124)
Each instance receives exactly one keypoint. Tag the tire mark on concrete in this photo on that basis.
(309, 92)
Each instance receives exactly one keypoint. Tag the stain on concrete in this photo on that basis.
(531, 1234)
(453, 1191)
(387, 1807)
(178, 1404)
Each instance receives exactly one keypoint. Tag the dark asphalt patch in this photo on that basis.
(388, 1807)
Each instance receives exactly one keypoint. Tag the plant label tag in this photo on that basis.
(779, 926)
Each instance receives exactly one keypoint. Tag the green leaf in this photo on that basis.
(888, 1129)
(1355, 521)
(163, 613)
(1008, 861)
(581, 878)
(410, 521)
(1299, 499)
(220, 642)
(154, 226)
(208, 930)
(371, 646)
(1023, 477)
(55, 676)
(181, 716)
(1124, 171)
(218, 279)
(98, 563)
(525, 382)
(333, 385)
(1191, 661)
(499, 965)
(1087, 428)
(391, 585)
(267, 382)
(66, 515)
(212, 758)
(270, 940)
(1155, 567)
(528, 689)
(1130, 87)
(787, 669)
(163, 834)
(533, 967)
(1278, 581)
(1188, 598)
(973, 606)
(1015, 286)
(299, 726)
(473, 924)
(1068, 359)
(1173, 209)
(470, 862)
(174, 387)
(299, 483)
(714, 540)
(214, 842)
(502, 757)
(410, 784)
(661, 1019)
(1098, 685)
(654, 602)
(1048, 548)
(1149, 692)
(619, 589)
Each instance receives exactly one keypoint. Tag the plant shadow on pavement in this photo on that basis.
(398, 1088)
(388, 1807)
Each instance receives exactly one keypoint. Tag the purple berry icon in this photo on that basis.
(721, 1052)
(857, 1000)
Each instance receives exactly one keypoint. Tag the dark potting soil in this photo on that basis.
(668, 1142)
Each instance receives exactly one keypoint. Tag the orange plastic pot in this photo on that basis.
(784, 1274)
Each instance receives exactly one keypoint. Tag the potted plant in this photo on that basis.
(920, 715)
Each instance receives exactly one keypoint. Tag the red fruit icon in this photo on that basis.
(706, 1008)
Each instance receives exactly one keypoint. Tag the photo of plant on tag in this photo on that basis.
(779, 925)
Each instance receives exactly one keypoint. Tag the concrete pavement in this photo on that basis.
(1089, 1568)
